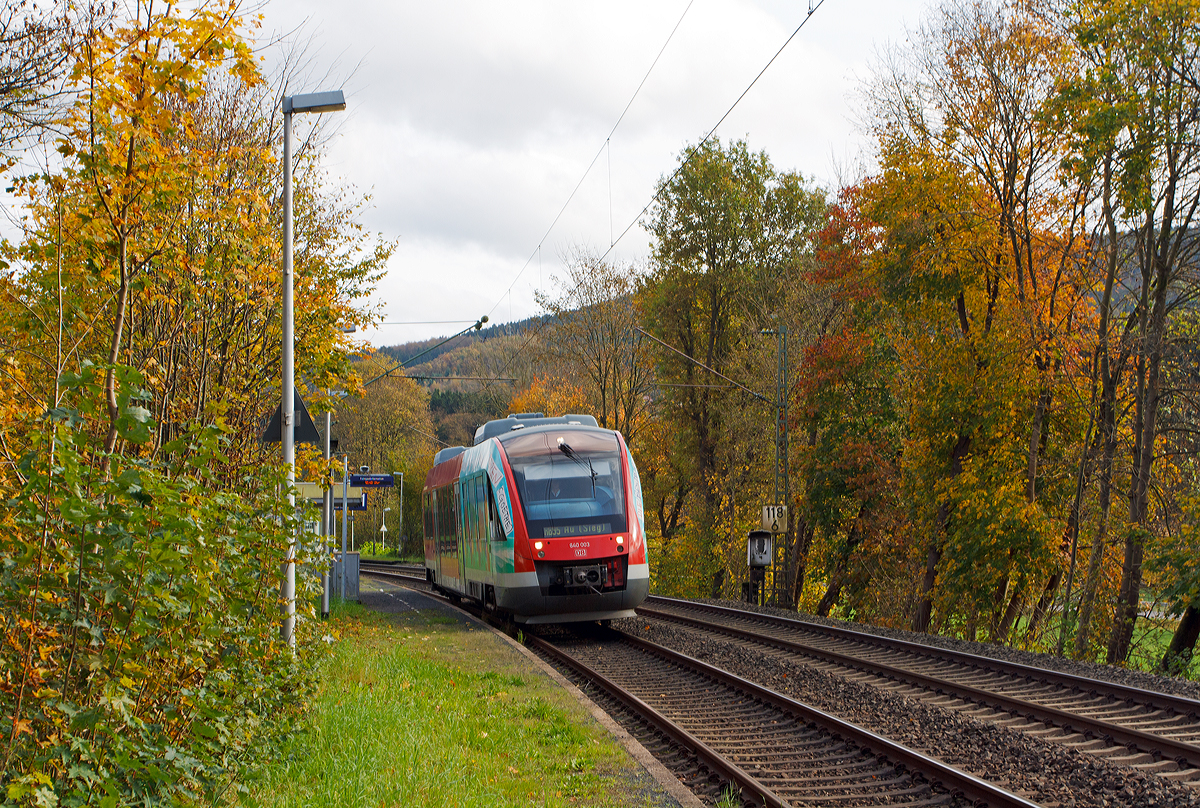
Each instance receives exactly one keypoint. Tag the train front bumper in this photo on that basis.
(532, 605)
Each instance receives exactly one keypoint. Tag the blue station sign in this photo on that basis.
(372, 480)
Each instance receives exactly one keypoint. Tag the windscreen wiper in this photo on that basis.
(566, 449)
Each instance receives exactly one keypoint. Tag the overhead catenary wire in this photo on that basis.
(591, 165)
(697, 362)
(812, 8)
(692, 152)
(460, 378)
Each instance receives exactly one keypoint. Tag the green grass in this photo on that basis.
(422, 711)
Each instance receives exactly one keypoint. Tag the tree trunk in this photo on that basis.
(718, 582)
(1010, 613)
(924, 611)
(1145, 431)
(1091, 584)
(1110, 374)
(801, 535)
(1175, 661)
(1035, 440)
(114, 353)
(999, 597)
(1043, 605)
(834, 591)
(804, 537)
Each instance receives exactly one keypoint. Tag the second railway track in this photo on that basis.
(1148, 730)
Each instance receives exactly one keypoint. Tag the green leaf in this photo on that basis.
(204, 730)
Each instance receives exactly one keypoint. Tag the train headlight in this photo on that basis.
(541, 553)
(537, 545)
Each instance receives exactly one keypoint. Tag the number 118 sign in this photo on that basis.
(774, 518)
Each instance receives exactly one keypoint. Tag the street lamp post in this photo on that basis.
(312, 102)
(345, 516)
(326, 519)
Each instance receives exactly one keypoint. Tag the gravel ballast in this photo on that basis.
(1044, 772)
(1091, 670)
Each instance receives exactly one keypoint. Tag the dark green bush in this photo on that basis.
(140, 661)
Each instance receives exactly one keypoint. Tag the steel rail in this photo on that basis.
(388, 573)
(1164, 701)
(715, 762)
(958, 783)
(1184, 754)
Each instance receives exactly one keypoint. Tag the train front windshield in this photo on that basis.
(569, 482)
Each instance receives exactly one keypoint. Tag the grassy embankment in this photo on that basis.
(420, 710)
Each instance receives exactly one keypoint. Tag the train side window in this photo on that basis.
(434, 520)
(480, 521)
(473, 489)
(496, 533)
(468, 512)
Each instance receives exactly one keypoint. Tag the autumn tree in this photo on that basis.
(388, 428)
(960, 114)
(847, 414)
(728, 230)
(139, 308)
(1151, 59)
(36, 45)
(593, 335)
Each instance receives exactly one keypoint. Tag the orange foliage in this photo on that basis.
(550, 396)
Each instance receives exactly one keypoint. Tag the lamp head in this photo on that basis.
(332, 101)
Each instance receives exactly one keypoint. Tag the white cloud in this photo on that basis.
(470, 123)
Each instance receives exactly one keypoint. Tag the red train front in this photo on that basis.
(542, 518)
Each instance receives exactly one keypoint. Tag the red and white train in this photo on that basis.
(541, 519)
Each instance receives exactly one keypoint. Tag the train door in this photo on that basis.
(483, 528)
(459, 539)
(437, 522)
(500, 551)
(467, 520)
(447, 530)
(431, 559)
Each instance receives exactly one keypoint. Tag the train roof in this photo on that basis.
(448, 453)
(528, 420)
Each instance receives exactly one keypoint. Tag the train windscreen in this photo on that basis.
(569, 482)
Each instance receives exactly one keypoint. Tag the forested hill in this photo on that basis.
(408, 350)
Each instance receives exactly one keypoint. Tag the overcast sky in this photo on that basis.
(471, 121)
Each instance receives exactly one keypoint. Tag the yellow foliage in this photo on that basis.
(553, 397)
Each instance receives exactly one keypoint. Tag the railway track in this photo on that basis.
(770, 749)
(718, 731)
(405, 572)
(1147, 730)
(757, 743)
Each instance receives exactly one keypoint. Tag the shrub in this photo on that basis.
(140, 659)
